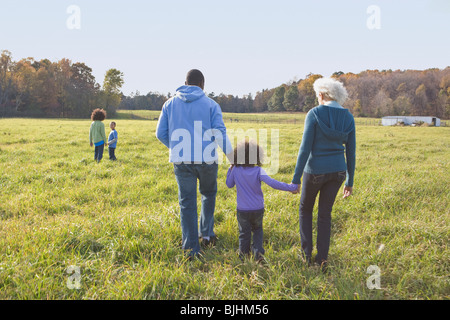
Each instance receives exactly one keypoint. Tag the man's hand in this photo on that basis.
(347, 191)
(91, 144)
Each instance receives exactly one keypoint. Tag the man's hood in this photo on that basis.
(189, 93)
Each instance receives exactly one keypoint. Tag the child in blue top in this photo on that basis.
(112, 141)
(247, 175)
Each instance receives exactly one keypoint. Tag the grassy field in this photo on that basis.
(273, 117)
(118, 222)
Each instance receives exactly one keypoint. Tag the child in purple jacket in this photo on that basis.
(246, 174)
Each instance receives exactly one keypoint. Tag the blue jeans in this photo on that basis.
(328, 185)
(98, 153)
(187, 176)
(112, 155)
(251, 222)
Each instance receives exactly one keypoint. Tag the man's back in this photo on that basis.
(188, 124)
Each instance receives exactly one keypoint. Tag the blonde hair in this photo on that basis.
(331, 89)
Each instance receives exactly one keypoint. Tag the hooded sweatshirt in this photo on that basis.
(328, 143)
(97, 134)
(191, 126)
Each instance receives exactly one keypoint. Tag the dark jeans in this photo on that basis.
(187, 176)
(251, 222)
(328, 185)
(98, 153)
(112, 155)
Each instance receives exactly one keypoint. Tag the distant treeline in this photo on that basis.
(65, 89)
(372, 93)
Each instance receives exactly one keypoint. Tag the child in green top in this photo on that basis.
(97, 134)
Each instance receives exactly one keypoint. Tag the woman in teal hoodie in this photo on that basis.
(326, 159)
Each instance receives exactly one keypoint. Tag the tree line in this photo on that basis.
(55, 89)
(65, 89)
(372, 93)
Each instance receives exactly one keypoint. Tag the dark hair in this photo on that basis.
(248, 148)
(98, 115)
(195, 78)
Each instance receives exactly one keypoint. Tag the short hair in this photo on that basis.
(98, 115)
(248, 154)
(331, 89)
(195, 78)
(113, 122)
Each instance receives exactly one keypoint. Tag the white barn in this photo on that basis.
(409, 120)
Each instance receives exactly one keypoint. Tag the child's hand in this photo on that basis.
(296, 190)
(91, 144)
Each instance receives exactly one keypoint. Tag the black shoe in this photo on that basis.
(323, 264)
(196, 257)
(209, 243)
(260, 259)
(244, 256)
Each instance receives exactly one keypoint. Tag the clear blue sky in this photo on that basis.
(241, 46)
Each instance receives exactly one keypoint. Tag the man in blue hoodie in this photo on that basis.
(191, 126)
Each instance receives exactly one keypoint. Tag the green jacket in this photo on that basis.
(97, 132)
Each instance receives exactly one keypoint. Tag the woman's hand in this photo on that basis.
(296, 190)
(347, 191)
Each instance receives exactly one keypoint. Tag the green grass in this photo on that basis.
(259, 118)
(119, 222)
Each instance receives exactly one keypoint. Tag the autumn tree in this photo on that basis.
(421, 99)
(444, 96)
(401, 106)
(63, 76)
(383, 104)
(357, 109)
(25, 84)
(64, 89)
(307, 95)
(260, 103)
(83, 92)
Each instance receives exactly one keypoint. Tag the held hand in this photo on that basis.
(347, 192)
(296, 190)
(91, 144)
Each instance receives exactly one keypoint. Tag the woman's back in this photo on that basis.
(328, 141)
